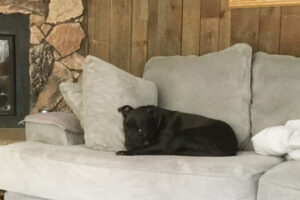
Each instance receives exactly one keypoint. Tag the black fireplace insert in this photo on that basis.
(14, 73)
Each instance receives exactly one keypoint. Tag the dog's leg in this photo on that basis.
(148, 150)
(153, 149)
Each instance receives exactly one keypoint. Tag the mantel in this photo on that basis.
(261, 3)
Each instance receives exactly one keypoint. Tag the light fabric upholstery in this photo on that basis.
(72, 94)
(17, 196)
(64, 120)
(281, 182)
(276, 91)
(76, 173)
(51, 134)
(61, 128)
(294, 155)
(106, 88)
(215, 85)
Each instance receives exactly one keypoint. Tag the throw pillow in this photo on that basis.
(273, 141)
(105, 89)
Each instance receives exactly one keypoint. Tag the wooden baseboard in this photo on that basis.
(11, 135)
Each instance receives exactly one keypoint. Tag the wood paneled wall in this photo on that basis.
(129, 32)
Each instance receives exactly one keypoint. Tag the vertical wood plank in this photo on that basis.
(225, 25)
(245, 26)
(169, 28)
(98, 28)
(191, 27)
(139, 36)
(291, 10)
(210, 20)
(210, 8)
(120, 33)
(290, 34)
(209, 41)
(152, 27)
(269, 29)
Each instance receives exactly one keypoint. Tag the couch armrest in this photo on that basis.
(60, 128)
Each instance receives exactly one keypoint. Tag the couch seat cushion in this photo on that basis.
(75, 172)
(281, 182)
(17, 196)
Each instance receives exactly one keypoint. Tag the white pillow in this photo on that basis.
(273, 141)
(105, 89)
(294, 141)
(295, 124)
(72, 94)
(294, 155)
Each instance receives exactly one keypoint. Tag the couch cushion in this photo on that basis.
(75, 172)
(275, 89)
(17, 196)
(215, 85)
(51, 134)
(105, 88)
(281, 182)
(61, 128)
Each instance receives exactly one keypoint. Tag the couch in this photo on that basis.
(246, 89)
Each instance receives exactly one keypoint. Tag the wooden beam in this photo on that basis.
(261, 3)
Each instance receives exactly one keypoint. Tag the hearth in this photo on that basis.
(14, 75)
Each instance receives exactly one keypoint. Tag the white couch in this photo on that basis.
(31, 170)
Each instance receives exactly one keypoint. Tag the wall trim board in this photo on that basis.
(261, 3)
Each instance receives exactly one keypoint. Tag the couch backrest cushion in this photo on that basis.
(276, 90)
(215, 85)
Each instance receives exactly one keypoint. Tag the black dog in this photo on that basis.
(150, 130)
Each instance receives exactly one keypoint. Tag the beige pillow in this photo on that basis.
(105, 89)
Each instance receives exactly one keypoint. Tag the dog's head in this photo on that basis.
(140, 125)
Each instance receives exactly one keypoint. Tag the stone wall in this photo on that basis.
(57, 45)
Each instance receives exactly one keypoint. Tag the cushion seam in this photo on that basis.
(272, 183)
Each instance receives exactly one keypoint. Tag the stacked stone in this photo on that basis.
(56, 38)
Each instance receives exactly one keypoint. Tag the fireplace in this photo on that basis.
(40, 47)
(14, 75)
(7, 85)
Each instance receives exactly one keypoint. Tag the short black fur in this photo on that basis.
(151, 130)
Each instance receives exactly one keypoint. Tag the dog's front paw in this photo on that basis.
(122, 153)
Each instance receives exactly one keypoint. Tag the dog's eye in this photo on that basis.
(140, 131)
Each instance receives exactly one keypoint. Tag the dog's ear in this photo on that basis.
(156, 115)
(125, 109)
